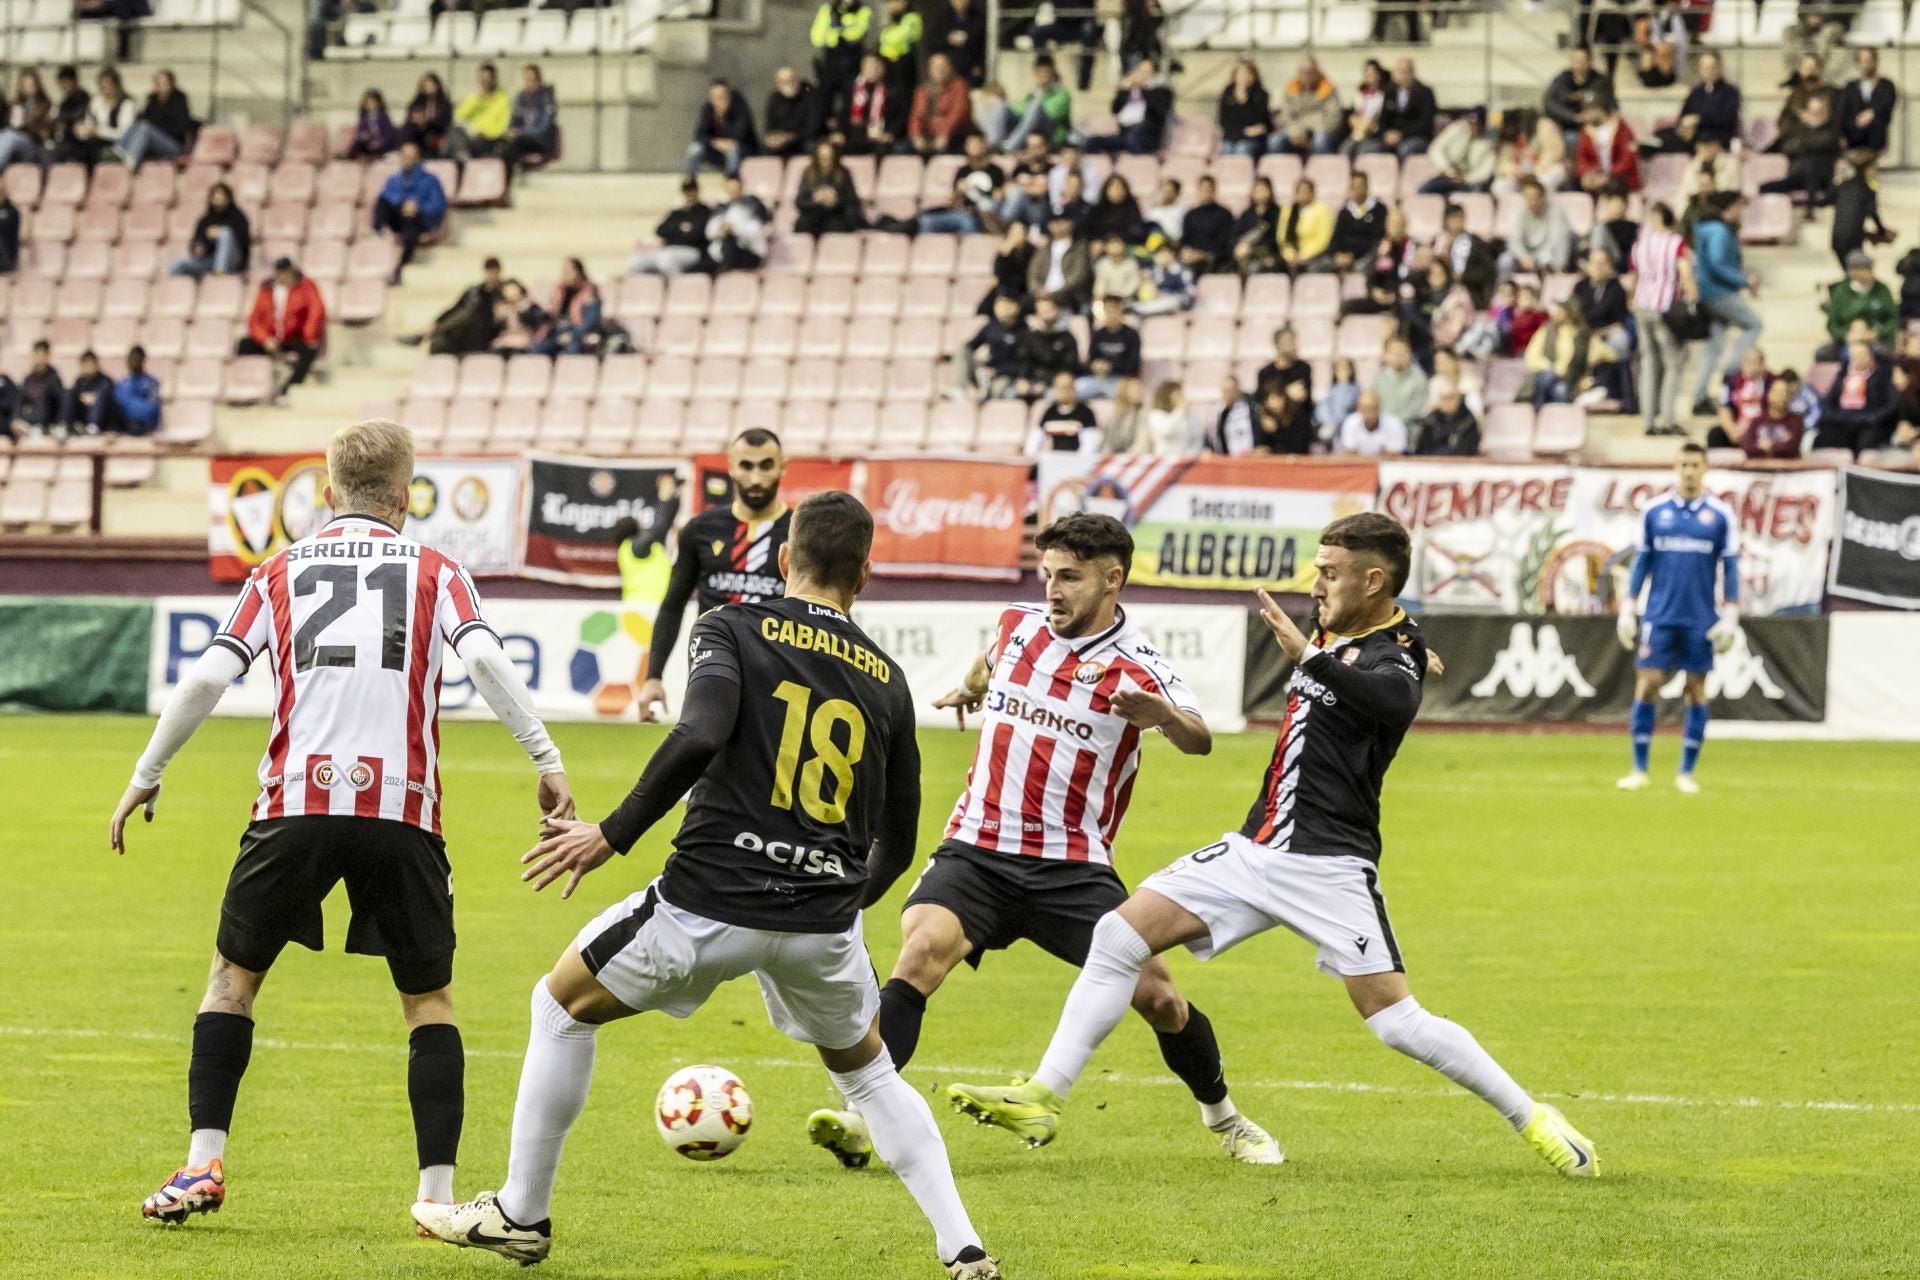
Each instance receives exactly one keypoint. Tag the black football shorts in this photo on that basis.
(1001, 898)
(398, 883)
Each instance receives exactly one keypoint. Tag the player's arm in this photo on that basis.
(1387, 691)
(1182, 726)
(187, 708)
(507, 695)
(1627, 621)
(972, 689)
(1722, 633)
(899, 832)
(666, 625)
(706, 723)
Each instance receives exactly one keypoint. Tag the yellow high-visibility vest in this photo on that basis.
(643, 579)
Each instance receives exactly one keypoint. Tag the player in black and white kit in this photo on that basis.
(729, 555)
(1306, 858)
(798, 741)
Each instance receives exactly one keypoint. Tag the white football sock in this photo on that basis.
(1218, 1113)
(907, 1139)
(553, 1089)
(1100, 998)
(205, 1145)
(1450, 1049)
(436, 1184)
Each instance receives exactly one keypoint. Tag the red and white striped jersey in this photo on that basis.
(1055, 765)
(354, 622)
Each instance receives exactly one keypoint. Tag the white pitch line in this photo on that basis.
(1105, 1077)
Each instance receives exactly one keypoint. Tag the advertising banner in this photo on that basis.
(950, 518)
(572, 505)
(1571, 670)
(1514, 539)
(805, 477)
(1209, 521)
(1876, 548)
(470, 509)
(74, 653)
(259, 503)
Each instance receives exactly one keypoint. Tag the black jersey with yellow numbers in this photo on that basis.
(721, 560)
(822, 758)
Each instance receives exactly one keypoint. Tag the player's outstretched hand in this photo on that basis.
(1435, 667)
(135, 798)
(1627, 628)
(566, 845)
(653, 694)
(961, 701)
(1281, 625)
(1141, 709)
(556, 800)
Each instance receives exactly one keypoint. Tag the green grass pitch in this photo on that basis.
(1720, 991)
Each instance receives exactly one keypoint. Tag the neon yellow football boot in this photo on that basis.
(1560, 1144)
(1026, 1109)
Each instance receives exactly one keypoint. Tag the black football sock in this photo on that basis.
(436, 1071)
(222, 1045)
(1194, 1055)
(901, 1008)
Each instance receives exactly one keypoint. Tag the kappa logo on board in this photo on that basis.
(1533, 664)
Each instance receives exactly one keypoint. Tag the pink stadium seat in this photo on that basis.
(1191, 136)
(918, 340)
(1267, 299)
(1218, 295)
(950, 426)
(814, 379)
(136, 261)
(90, 260)
(362, 301)
(208, 340)
(564, 422)
(1140, 173)
(899, 177)
(114, 336)
(865, 172)
(164, 340)
(1479, 209)
(1313, 336)
(1504, 379)
(1329, 177)
(623, 377)
(33, 298)
(77, 299)
(294, 183)
(483, 182)
(1769, 220)
(53, 224)
(1578, 206)
(908, 380)
(902, 427)
(528, 378)
(574, 377)
(774, 336)
(435, 377)
(1164, 337)
(369, 260)
(933, 256)
(144, 224)
(764, 378)
(327, 259)
(1508, 433)
(642, 296)
(1254, 345)
(249, 183)
(784, 296)
(1560, 430)
(1360, 337)
(656, 427)
(516, 423)
(831, 296)
(791, 255)
(870, 337)
(926, 299)
(737, 293)
(727, 336)
(852, 427)
(334, 221)
(821, 338)
(1423, 216)
(1316, 297)
(481, 377)
(836, 254)
(156, 183)
(1284, 173)
(221, 298)
(1211, 338)
(69, 336)
(125, 298)
(976, 255)
(469, 423)
(671, 376)
(187, 421)
(258, 144)
(197, 380)
(25, 187)
(884, 298)
(760, 175)
(687, 296)
(679, 336)
(340, 182)
(306, 143)
(1233, 182)
(885, 257)
(1001, 427)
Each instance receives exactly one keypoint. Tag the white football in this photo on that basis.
(703, 1112)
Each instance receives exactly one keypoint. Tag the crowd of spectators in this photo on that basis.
(41, 406)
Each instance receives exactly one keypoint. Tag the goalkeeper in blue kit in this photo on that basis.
(1689, 550)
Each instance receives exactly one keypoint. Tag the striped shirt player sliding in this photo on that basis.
(1689, 550)
(1306, 858)
(1066, 692)
(354, 624)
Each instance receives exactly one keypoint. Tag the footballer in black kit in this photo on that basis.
(727, 555)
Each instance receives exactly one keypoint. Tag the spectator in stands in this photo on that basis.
(1710, 155)
(1063, 267)
(723, 135)
(1906, 389)
(70, 106)
(1169, 429)
(469, 326)
(1662, 275)
(1115, 213)
(979, 190)
(1660, 39)
(1711, 110)
(519, 317)
(958, 28)
(1070, 161)
(164, 128)
(533, 126)
(1125, 430)
(1524, 318)
(429, 115)
(1542, 240)
(1256, 231)
(1244, 115)
(109, 114)
(989, 364)
(411, 204)
(1308, 119)
(1049, 351)
(1358, 227)
(574, 318)
(288, 322)
(1742, 399)
(1471, 259)
(1570, 93)
(1531, 146)
(41, 394)
(87, 408)
(993, 117)
(1370, 431)
(873, 117)
(1113, 351)
(1448, 429)
(793, 115)
(1010, 267)
(942, 114)
(29, 121)
(1303, 230)
(1235, 431)
(1560, 357)
(1810, 139)
(1285, 423)
(1775, 430)
(1341, 398)
(839, 34)
(1464, 156)
(1142, 106)
(1449, 367)
(1606, 152)
(1207, 232)
(1115, 273)
(1286, 370)
(374, 133)
(1603, 301)
(1048, 107)
(1369, 100)
(1389, 271)
(1810, 36)
(1406, 116)
(1168, 287)
(1866, 104)
(9, 234)
(1066, 424)
(221, 243)
(1073, 200)
(1400, 384)
(737, 231)
(826, 200)
(1809, 84)
(1452, 316)
(1721, 276)
(1167, 214)
(1026, 200)
(136, 397)
(1856, 206)
(682, 235)
(1909, 270)
(1860, 296)
(480, 122)
(899, 45)
(1699, 204)
(1860, 408)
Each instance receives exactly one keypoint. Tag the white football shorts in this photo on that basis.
(1240, 889)
(820, 988)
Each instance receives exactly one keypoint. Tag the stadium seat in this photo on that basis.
(1769, 220)
(623, 377)
(1360, 336)
(679, 336)
(881, 298)
(435, 377)
(727, 336)
(885, 256)
(814, 379)
(949, 427)
(482, 377)
(764, 378)
(1315, 297)
(710, 424)
(483, 182)
(870, 337)
(369, 259)
(902, 427)
(77, 299)
(1508, 433)
(836, 254)
(24, 185)
(775, 336)
(361, 301)
(829, 297)
(1001, 427)
(918, 339)
(54, 224)
(737, 293)
(909, 380)
(249, 380)
(933, 257)
(784, 296)
(687, 297)
(69, 336)
(976, 255)
(469, 423)
(527, 378)
(791, 255)
(1560, 430)
(563, 423)
(1266, 300)
(1218, 296)
(852, 427)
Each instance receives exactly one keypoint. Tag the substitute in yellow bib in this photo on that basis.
(645, 565)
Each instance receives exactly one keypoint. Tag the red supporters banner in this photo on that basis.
(258, 504)
(950, 518)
